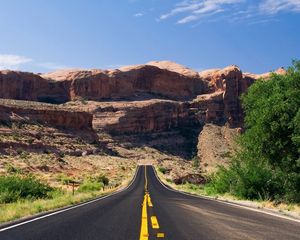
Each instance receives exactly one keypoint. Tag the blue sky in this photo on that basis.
(43, 36)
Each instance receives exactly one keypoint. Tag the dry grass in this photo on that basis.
(25, 208)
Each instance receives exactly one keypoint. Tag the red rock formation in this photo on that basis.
(129, 82)
(231, 83)
(31, 87)
(20, 111)
(208, 108)
(216, 93)
(138, 116)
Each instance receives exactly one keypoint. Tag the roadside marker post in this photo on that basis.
(74, 184)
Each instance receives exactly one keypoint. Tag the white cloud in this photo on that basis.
(8, 61)
(116, 66)
(260, 11)
(275, 6)
(198, 8)
(140, 14)
(194, 17)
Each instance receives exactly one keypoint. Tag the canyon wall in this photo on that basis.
(26, 112)
(140, 117)
(163, 98)
(156, 96)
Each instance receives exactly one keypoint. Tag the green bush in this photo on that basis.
(162, 170)
(12, 169)
(14, 188)
(89, 186)
(267, 165)
(102, 179)
(64, 179)
(246, 179)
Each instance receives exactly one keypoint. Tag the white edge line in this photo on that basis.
(225, 202)
(73, 207)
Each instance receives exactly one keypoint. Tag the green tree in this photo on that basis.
(268, 162)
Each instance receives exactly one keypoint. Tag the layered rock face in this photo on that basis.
(141, 117)
(31, 87)
(21, 111)
(213, 94)
(127, 82)
(231, 83)
(134, 81)
(210, 96)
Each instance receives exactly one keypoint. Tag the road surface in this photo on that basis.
(149, 210)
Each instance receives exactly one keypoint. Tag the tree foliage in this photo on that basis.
(267, 164)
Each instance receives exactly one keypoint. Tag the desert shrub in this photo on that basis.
(102, 179)
(12, 169)
(98, 178)
(64, 179)
(89, 186)
(47, 151)
(163, 170)
(61, 154)
(30, 140)
(14, 188)
(24, 154)
(19, 151)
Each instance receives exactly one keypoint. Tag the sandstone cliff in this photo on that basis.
(214, 94)
(128, 82)
(45, 114)
(147, 116)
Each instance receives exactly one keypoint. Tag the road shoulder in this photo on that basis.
(250, 205)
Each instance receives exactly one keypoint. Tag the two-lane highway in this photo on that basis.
(149, 210)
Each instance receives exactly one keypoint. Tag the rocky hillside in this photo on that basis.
(161, 105)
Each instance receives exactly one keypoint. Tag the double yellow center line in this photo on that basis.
(144, 233)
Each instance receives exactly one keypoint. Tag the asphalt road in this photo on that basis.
(146, 207)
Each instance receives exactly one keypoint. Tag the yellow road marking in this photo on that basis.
(160, 235)
(154, 222)
(149, 201)
(146, 180)
(144, 235)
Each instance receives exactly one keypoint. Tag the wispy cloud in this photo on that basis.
(275, 6)
(115, 66)
(254, 12)
(195, 9)
(139, 14)
(8, 61)
(17, 62)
